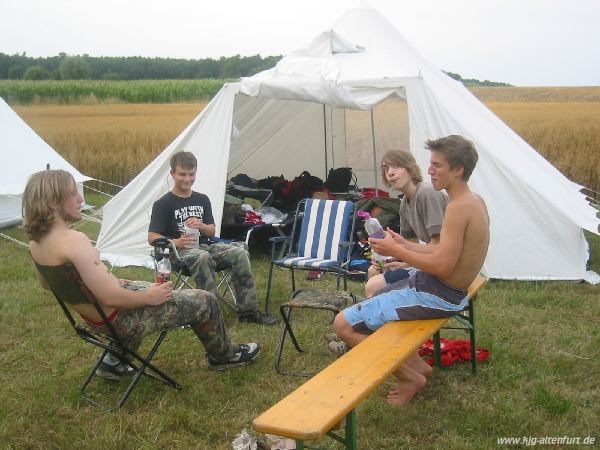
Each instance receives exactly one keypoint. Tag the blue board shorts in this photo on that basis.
(420, 296)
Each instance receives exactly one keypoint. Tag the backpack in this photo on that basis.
(241, 179)
(338, 180)
(304, 185)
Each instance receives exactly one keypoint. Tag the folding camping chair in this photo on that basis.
(324, 241)
(110, 343)
(183, 273)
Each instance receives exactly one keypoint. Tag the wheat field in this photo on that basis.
(113, 142)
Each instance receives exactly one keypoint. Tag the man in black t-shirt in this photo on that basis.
(186, 217)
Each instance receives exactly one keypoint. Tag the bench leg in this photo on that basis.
(350, 435)
(472, 337)
(437, 351)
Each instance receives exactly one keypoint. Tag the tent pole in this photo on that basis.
(325, 139)
(333, 165)
(374, 153)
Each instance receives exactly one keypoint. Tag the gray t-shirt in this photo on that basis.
(423, 216)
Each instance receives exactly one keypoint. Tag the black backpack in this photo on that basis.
(241, 179)
(338, 180)
(304, 185)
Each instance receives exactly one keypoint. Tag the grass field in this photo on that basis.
(542, 378)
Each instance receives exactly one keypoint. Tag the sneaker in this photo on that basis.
(331, 337)
(337, 348)
(247, 353)
(116, 371)
(259, 318)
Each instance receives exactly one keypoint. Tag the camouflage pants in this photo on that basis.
(199, 309)
(203, 261)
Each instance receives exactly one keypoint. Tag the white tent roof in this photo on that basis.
(275, 121)
(23, 152)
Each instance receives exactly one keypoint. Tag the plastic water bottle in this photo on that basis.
(375, 230)
(195, 232)
(163, 271)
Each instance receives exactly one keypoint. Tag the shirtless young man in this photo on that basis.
(66, 262)
(439, 287)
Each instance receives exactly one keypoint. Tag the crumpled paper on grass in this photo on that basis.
(272, 442)
(244, 441)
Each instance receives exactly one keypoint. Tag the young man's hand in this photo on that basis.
(194, 222)
(394, 265)
(205, 229)
(186, 241)
(397, 237)
(159, 293)
(385, 246)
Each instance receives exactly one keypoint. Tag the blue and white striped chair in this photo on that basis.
(324, 241)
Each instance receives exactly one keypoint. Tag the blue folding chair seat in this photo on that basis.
(306, 262)
(323, 241)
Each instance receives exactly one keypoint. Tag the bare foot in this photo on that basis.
(406, 390)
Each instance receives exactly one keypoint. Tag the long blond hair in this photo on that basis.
(44, 192)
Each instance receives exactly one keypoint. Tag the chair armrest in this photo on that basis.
(275, 239)
(161, 242)
(283, 240)
(346, 246)
(164, 243)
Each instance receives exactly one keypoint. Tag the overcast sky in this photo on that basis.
(521, 42)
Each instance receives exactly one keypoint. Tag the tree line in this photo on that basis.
(85, 67)
(473, 81)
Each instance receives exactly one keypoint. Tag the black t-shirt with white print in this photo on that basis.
(170, 212)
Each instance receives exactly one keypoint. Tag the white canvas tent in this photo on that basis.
(22, 153)
(303, 115)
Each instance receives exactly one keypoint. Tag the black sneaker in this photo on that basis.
(114, 371)
(247, 353)
(258, 317)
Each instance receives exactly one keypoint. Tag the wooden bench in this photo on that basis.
(312, 410)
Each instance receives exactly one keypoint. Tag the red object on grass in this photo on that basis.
(453, 351)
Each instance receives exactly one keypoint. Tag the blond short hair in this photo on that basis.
(44, 191)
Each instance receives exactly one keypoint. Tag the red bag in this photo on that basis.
(372, 192)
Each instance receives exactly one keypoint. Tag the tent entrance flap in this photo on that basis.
(284, 137)
(294, 136)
